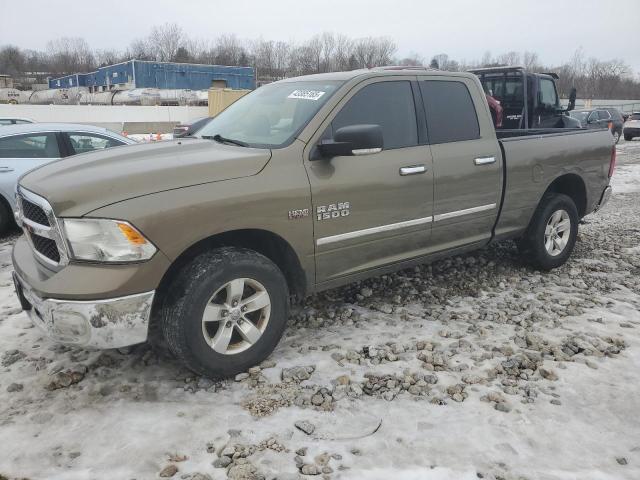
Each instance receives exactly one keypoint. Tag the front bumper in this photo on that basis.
(109, 323)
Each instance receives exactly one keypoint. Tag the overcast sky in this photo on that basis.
(464, 29)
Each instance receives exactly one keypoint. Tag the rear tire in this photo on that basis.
(225, 311)
(552, 233)
(6, 217)
(616, 136)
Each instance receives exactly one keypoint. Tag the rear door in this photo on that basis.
(83, 142)
(24, 152)
(376, 209)
(466, 161)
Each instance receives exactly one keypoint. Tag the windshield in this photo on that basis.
(271, 116)
(582, 116)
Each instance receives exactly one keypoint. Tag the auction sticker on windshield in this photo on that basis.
(306, 94)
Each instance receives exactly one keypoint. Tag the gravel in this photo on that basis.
(473, 365)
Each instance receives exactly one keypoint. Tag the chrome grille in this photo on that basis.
(34, 213)
(46, 247)
(41, 228)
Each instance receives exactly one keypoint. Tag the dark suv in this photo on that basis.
(605, 117)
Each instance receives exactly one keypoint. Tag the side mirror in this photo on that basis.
(572, 99)
(353, 140)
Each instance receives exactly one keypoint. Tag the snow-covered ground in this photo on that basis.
(474, 367)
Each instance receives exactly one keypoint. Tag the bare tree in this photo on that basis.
(108, 57)
(140, 50)
(70, 55)
(165, 40)
(509, 58)
(530, 61)
(12, 60)
(323, 52)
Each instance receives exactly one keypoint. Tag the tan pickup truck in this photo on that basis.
(304, 184)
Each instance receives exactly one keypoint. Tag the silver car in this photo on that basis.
(27, 146)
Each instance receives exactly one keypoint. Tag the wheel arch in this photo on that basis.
(573, 186)
(267, 243)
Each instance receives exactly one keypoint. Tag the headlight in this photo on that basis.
(104, 240)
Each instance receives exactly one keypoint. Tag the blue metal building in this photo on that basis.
(163, 75)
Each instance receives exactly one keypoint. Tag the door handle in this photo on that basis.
(412, 170)
(484, 160)
(6, 169)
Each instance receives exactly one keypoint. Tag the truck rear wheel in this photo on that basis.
(552, 233)
(225, 311)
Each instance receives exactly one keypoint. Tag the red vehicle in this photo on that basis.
(496, 111)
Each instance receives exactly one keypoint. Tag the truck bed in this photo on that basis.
(534, 158)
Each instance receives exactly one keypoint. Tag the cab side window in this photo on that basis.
(388, 104)
(33, 145)
(451, 115)
(548, 92)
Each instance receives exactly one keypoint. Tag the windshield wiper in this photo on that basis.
(220, 139)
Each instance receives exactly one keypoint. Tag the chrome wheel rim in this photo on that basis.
(236, 316)
(557, 233)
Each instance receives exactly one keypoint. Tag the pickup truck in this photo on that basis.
(303, 185)
(526, 99)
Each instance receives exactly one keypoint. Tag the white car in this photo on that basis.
(631, 127)
(27, 146)
(5, 121)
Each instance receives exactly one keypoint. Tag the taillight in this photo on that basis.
(612, 162)
(610, 125)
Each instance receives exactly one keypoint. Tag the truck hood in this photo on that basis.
(77, 185)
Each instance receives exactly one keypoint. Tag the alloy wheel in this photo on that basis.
(557, 233)
(236, 316)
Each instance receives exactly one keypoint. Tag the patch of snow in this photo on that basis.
(537, 376)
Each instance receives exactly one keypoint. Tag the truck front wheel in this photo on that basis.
(225, 311)
(552, 234)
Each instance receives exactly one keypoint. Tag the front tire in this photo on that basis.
(616, 137)
(6, 217)
(225, 311)
(552, 233)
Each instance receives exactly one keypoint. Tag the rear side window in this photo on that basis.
(604, 115)
(88, 142)
(34, 145)
(388, 104)
(451, 116)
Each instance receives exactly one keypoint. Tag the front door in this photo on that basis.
(466, 163)
(375, 209)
